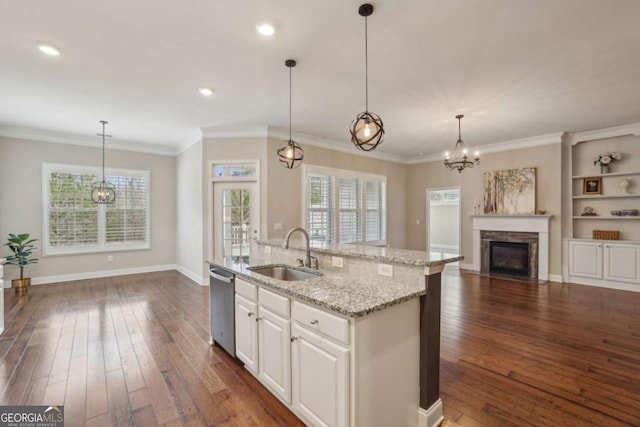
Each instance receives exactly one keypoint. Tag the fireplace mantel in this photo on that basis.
(529, 223)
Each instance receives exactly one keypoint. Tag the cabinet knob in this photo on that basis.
(314, 322)
(249, 314)
(293, 339)
(258, 319)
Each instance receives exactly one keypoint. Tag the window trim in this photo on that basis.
(102, 246)
(336, 173)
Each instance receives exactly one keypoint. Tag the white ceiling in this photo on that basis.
(515, 68)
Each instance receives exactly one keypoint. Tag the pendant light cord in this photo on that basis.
(459, 133)
(103, 123)
(289, 103)
(366, 66)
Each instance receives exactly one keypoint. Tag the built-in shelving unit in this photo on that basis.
(607, 217)
(620, 196)
(608, 175)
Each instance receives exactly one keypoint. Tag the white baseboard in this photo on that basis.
(605, 284)
(431, 417)
(555, 278)
(98, 274)
(202, 281)
(466, 266)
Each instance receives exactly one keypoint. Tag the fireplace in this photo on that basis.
(509, 258)
(509, 254)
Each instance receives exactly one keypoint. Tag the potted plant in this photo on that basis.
(22, 248)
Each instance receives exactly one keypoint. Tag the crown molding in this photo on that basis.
(82, 140)
(612, 132)
(232, 132)
(515, 144)
(193, 138)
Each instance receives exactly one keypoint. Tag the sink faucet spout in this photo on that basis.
(307, 252)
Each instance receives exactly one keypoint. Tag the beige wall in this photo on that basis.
(546, 159)
(285, 188)
(189, 221)
(21, 204)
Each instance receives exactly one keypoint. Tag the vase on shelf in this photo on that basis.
(604, 169)
(624, 186)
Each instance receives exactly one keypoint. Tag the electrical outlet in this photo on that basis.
(385, 270)
(109, 258)
(267, 250)
(337, 261)
(277, 226)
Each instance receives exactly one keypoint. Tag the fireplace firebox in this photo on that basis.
(509, 258)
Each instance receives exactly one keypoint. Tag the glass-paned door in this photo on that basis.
(235, 220)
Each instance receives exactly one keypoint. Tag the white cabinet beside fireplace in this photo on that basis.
(605, 263)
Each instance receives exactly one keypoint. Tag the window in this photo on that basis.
(234, 171)
(345, 206)
(73, 224)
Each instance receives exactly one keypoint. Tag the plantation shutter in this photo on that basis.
(74, 224)
(127, 219)
(319, 207)
(349, 210)
(72, 217)
(376, 213)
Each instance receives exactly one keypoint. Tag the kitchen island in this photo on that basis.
(356, 346)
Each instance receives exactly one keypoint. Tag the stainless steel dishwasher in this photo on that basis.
(222, 309)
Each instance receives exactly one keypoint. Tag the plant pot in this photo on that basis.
(604, 169)
(20, 285)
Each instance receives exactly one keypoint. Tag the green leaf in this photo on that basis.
(23, 236)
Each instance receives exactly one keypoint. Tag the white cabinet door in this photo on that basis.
(622, 262)
(320, 379)
(247, 333)
(585, 259)
(274, 350)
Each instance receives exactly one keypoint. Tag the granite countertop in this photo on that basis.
(343, 294)
(384, 254)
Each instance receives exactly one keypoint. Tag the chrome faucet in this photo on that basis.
(307, 252)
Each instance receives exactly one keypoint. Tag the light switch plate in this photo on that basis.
(267, 250)
(385, 270)
(277, 226)
(337, 261)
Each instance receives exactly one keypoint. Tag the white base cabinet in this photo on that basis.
(320, 379)
(247, 333)
(609, 264)
(332, 371)
(274, 341)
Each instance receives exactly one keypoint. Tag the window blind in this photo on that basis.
(376, 200)
(126, 219)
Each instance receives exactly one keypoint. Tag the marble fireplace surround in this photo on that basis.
(515, 223)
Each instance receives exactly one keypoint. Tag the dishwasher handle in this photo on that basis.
(223, 278)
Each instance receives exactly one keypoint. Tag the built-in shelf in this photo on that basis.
(594, 175)
(607, 217)
(606, 196)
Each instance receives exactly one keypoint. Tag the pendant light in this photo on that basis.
(103, 192)
(367, 129)
(460, 160)
(290, 154)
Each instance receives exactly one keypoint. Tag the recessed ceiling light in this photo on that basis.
(206, 91)
(265, 29)
(49, 50)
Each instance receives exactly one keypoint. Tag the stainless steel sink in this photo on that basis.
(284, 272)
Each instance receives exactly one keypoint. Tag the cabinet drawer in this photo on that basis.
(328, 324)
(274, 302)
(246, 289)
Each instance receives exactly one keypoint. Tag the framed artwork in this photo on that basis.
(592, 185)
(510, 192)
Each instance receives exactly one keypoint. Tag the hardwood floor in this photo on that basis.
(129, 350)
(132, 350)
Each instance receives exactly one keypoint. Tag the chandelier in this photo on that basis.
(290, 153)
(460, 160)
(103, 192)
(367, 129)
